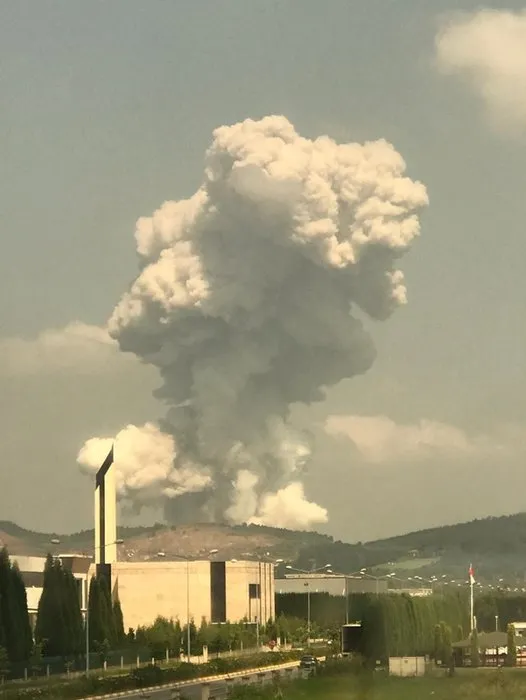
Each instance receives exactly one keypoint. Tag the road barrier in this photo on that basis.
(246, 675)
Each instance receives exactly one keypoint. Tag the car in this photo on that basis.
(309, 662)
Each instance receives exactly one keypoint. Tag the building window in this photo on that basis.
(254, 591)
(218, 591)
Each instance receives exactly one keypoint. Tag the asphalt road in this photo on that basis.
(217, 690)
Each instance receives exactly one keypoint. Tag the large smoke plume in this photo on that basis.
(245, 303)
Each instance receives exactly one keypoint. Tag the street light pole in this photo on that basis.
(188, 636)
(188, 631)
(306, 584)
(346, 600)
(308, 613)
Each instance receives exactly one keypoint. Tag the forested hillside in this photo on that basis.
(496, 546)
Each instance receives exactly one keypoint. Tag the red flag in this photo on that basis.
(471, 574)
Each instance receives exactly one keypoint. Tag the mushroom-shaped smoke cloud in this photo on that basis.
(244, 302)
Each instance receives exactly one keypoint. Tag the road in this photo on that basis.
(215, 690)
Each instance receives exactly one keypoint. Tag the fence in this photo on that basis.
(113, 661)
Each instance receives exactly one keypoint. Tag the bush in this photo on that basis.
(141, 678)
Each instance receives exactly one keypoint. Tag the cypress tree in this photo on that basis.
(97, 633)
(73, 613)
(25, 633)
(8, 611)
(119, 621)
(59, 620)
(105, 620)
(474, 652)
(2, 628)
(107, 611)
(15, 630)
(511, 657)
(447, 649)
(438, 642)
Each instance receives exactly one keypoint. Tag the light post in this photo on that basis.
(306, 584)
(187, 560)
(346, 590)
(267, 558)
(375, 578)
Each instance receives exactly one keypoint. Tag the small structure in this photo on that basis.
(407, 666)
(493, 648)
(351, 638)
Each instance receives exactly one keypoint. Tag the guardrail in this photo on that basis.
(204, 681)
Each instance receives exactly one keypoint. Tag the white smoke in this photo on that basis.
(145, 466)
(487, 49)
(244, 302)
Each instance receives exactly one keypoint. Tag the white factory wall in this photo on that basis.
(29, 564)
(151, 589)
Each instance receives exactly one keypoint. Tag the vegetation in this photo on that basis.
(475, 651)
(397, 625)
(15, 631)
(506, 685)
(496, 546)
(106, 628)
(443, 650)
(59, 627)
(501, 605)
(170, 636)
(147, 676)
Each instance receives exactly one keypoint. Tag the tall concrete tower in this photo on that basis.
(105, 517)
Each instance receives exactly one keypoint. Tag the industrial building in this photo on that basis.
(333, 584)
(217, 591)
(32, 571)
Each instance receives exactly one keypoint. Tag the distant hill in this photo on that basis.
(496, 547)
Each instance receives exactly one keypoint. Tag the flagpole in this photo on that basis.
(471, 600)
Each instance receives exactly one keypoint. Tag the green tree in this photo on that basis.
(118, 621)
(437, 644)
(511, 657)
(105, 619)
(23, 624)
(98, 630)
(59, 619)
(36, 659)
(474, 651)
(4, 662)
(72, 612)
(447, 649)
(15, 629)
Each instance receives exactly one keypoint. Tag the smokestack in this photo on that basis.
(105, 516)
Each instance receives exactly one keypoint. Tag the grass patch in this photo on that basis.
(410, 564)
(480, 685)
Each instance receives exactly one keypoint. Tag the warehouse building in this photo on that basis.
(217, 591)
(333, 584)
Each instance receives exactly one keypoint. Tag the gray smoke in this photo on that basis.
(244, 302)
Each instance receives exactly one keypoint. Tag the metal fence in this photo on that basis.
(124, 659)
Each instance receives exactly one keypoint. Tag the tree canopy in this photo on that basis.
(59, 627)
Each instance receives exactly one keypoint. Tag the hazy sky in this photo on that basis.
(106, 112)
